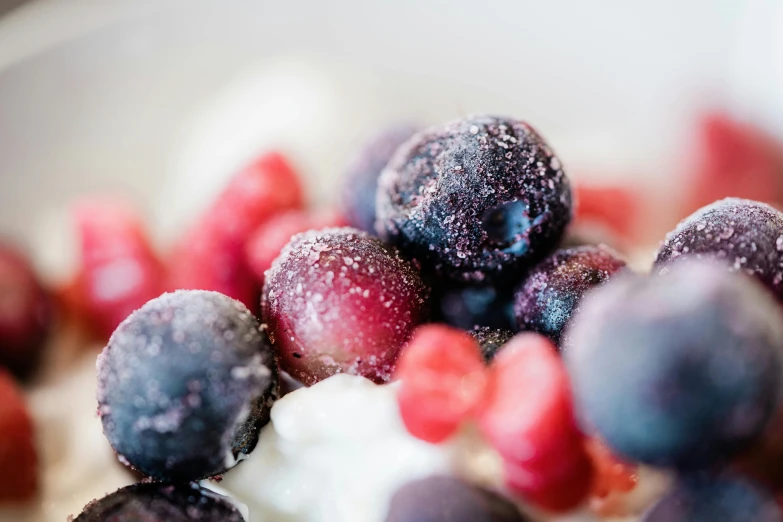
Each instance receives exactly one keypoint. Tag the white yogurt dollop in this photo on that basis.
(338, 451)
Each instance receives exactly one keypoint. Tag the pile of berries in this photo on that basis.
(449, 269)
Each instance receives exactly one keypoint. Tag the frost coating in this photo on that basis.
(185, 384)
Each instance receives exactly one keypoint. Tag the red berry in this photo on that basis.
(616, 208)
(266, 243)
(18, 458)
(119, 271)
(339, 300)
(528, 417)
(613, 478)
(734, 159)
(442, 381)
(25, 313)
(212, 253)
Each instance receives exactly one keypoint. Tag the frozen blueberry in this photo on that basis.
(552, 291)
(469, 306)
(361, 178)
(340, 301)
(26, 314)
(745, 235)
(155, 502)
(449, 499)
(679, 370)
(490, 340)
(185, 384)
(713, 499)
(476, 199)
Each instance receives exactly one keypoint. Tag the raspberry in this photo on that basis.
(18, 458)
(612, 477)
(528, 418)
(443, 381)
(212, 253)
(119, 269)
(268, 240)
(733, 159)
(614, 207)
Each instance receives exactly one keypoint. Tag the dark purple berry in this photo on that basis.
(490, 340)
(155, 502)
(361, 178)
(449, 499)
(469, 306)
(679, 370)
(715, 499)
(479, 198)
(742, 234)
(554, 288)
(185, 384)
(338, 300)
(26, 314)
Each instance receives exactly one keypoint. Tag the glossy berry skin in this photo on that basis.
(468, 307)
(553, 290)
(744, 235)
(476, 199)
(18, 456)
(449, 499)
(528, 417)
(338, 300)
(211, 255)
(360, 182)
(679, 370)
(156, 502)
(26, 314)
(490, 340)
(266, 243)
(442, 381)
(185, 384)
(119, 269)
(715, 498)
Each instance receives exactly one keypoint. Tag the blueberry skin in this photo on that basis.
(744, 235)
(679, 370)
(554, 289)
(468, 307)
(449, 499)
(713, 499)
(477, 199)
(185, 384)
(361, 178)
(155, 502)
(490, 340)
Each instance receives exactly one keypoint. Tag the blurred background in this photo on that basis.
(160, 100)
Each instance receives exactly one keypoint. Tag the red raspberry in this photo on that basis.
(18, 458)
(443, 381)
(733, 159)
(269, 239)
(614, 207)
(119, 271)
(528, 417)
(212, 253)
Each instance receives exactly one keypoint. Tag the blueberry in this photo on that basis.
(713, 499)
(361, 178)
(469, 306)
(474, 200)
(745, 235)
(153, 502)
(449, 499)
(553, 290)
(490, 340)
(678, 370)
(185, 384)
